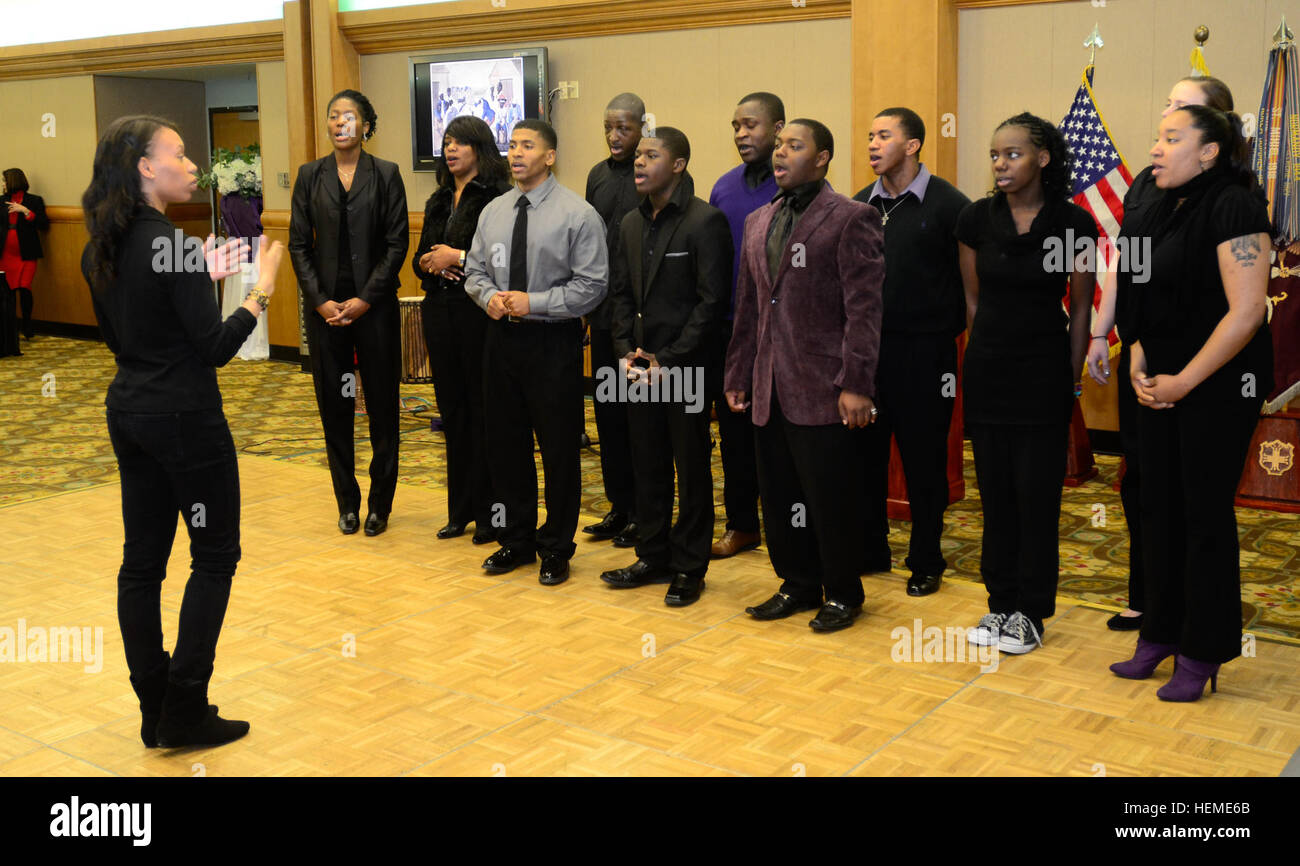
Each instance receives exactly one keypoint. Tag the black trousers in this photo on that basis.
(612, 431)
(916, 382)
(180, 463)
(1020, 470)
(455, 329)
(664, 436)
(8, 321)
(1192, 456)
(1130, 485)
(376, 339)
(736, 434)
(25, 302)
(533, 384)
(813, 517)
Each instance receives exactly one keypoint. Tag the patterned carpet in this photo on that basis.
(53, 440)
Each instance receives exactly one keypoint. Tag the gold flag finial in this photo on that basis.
(1094, 42)
(1283, 37)
(1199, 69)
(1201, 35)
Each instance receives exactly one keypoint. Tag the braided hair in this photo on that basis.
(1044, 135)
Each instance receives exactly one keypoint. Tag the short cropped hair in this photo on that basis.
(771, 103)
(910, 122)
(673, 140)
(542, 128)
(822, 138)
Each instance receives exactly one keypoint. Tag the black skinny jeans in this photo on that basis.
(177, 463)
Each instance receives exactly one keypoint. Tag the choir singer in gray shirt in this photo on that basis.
(538, 263)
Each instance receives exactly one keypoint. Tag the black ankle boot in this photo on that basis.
(150, 690)
(188, 720)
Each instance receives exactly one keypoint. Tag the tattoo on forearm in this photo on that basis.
(1246, 250)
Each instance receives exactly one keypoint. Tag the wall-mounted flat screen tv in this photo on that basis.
(500, 87)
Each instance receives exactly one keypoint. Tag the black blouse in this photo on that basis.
(1017, 364)
(1175, 311)
(453, 226)
(345, 286)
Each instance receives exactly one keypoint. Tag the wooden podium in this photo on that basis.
(1271, 479)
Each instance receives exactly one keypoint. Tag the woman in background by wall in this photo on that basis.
(22, 215)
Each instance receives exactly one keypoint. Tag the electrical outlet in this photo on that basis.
(573, 90)
(563, 88)
(283, 178)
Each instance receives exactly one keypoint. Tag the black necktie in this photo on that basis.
(777, 234)
(519, 249)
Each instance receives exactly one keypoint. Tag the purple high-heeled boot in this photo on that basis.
(1188, 681)
(1144, 662)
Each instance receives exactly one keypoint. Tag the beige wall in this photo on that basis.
(1031, 58)
(689, 79)
(274, 134)
(57, 168)
(182, 102)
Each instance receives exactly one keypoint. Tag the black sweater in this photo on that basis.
(923, 290)
(163, 324)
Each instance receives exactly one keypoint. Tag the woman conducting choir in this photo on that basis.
(174, 451)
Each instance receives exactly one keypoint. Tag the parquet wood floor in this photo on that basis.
(455, 672)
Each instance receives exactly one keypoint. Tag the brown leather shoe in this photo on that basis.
(733, 542)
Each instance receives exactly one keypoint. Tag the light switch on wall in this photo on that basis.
(282, 177)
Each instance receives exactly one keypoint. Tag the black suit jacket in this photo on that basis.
(378, 229)
(455, 230)
(671, 310)
(29, 242)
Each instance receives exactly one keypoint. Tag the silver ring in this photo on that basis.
(874, 411)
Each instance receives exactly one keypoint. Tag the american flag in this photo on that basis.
(1100, 175)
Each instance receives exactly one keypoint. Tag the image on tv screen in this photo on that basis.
(500, 88)
(491, 90)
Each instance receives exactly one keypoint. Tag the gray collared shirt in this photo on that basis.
(567, 257)
(917, 187)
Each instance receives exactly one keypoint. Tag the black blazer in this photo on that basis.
(29, 242)
(673, 312)
(456, 230)
(378, 229)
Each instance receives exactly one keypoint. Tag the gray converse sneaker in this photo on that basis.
(986, 633)
(1019, 635)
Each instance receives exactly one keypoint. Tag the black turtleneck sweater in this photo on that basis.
(1173, 314)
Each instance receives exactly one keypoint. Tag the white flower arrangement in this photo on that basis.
(235, 171)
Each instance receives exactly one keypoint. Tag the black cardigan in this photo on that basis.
(456, 230)
(29, 242)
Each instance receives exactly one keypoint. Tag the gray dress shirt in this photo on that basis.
(567, 257)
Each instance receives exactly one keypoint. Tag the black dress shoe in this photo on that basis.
(923, 584)
(375, 524)
(611, 525)
(780, 606)
(507, 559)
(452, 530)
(349, 522)
(555, 570)
(637, 574)
(629, 537)
(483, 536)
(834, 616)
(684, 590)
(1124, 623)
